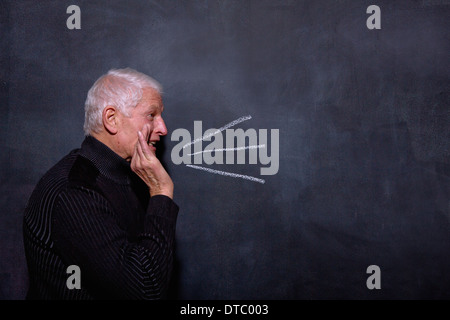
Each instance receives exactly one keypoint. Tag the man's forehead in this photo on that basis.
(151, 100)
(150, 90)
(152, 95)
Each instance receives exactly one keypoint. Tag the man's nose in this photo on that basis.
(161, 128)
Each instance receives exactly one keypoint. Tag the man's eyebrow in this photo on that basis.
(157, 106)
(152, 107)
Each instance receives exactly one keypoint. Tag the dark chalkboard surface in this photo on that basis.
(362, 117)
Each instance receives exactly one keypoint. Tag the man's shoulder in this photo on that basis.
(70, 174)
(83, 173)
(71, 171)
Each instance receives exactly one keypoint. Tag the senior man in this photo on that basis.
(101, 223)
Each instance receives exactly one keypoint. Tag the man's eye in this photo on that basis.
(151, 116)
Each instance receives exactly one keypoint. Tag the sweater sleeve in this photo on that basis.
(113, 266)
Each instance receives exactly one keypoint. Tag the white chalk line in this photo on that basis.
(231, 124)
(229, 174)
(228, 149)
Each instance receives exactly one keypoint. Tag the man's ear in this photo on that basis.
(110, 119)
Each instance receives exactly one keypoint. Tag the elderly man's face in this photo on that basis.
(148, 111)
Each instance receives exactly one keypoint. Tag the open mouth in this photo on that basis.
(151, 143)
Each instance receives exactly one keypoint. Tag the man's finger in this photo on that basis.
(141, 145)
(145, 149)
(136, 157)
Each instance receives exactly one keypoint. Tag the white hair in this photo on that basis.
(121, 88)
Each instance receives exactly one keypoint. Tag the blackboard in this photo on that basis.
(362, 116)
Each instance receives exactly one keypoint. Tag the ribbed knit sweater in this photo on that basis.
(92, 211)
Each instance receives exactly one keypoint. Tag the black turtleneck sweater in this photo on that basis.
(92, 211)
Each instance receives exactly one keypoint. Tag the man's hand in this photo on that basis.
(147, 166)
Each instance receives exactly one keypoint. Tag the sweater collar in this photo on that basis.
(109, 163)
